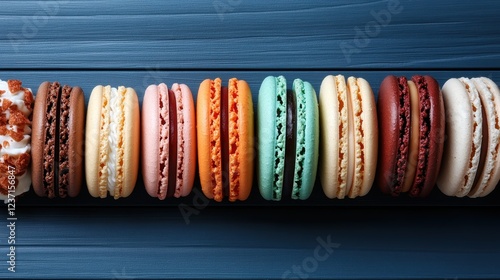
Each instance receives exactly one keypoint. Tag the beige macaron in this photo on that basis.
(349, 136)
(112, 141)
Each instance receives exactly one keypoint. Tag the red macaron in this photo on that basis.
(411, 135)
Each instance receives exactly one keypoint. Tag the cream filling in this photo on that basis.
(477, 133)
(114, 114)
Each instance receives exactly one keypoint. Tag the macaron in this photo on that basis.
(168, 133)
(349, 136)
(112, 141)
(411, 135)
(288, 139)
(225, 134)
(471, 164)
(16, 106)
(58, 140)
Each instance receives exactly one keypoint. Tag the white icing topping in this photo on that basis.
(8, 145)
(13, 147)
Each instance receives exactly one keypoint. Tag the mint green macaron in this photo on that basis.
(288, 139)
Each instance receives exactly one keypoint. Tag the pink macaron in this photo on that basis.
(168, 141)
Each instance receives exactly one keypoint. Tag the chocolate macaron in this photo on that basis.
(58, 140)
(411, 135)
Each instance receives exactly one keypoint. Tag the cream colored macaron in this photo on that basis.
(349, 136)
(112, 141)
(470, 164)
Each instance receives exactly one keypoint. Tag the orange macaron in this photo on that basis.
(225, 131)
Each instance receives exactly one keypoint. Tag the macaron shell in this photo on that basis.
(92, 139)
(490, 99)
(330, 119)
(185, 97)
(131, 142)
(76, 141)
(311, 144)
(203, 134)
(150, 130)
(266, 136)
(38, 138)
(366, 136)
(435, 135)
(246, 139)
(388, 108)
(459, 140)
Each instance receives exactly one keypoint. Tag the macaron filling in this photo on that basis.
(290, 144)
(475, 153)
(424, 139)
(180, 139)
(63, 145)
(234, 123)
(300, 150)
(215, 139)
(163, 141)
(51, 149)
(414, 138)
(224, 141)
(168, 133)
(404, 135)
(172, 153)
(114, 163)
(356, 110)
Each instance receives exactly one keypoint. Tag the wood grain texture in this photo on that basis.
(138, 43)
(237, 34)
(256, 243)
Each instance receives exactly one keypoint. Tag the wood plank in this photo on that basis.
(249, 35)
(257, 243)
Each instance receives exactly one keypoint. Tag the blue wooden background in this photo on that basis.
(137, 43)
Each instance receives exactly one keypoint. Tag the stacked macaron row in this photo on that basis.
(416, 136)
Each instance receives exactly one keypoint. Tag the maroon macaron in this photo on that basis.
(411, 135)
